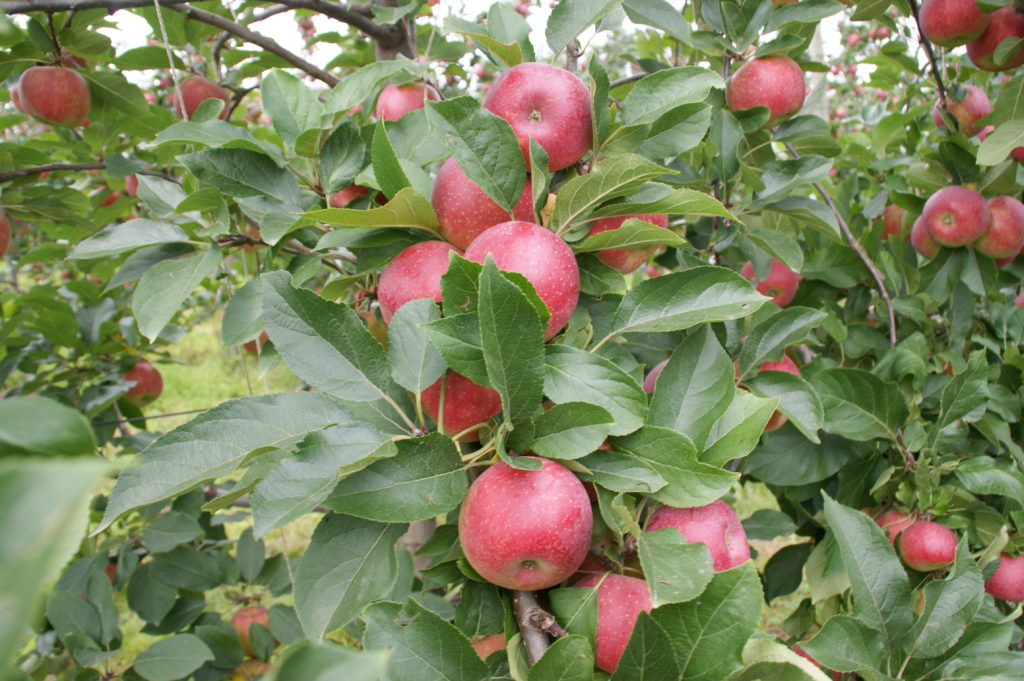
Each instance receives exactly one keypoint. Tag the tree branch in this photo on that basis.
(387, 36)
(35, 170)
(926, 44)
(534, 638)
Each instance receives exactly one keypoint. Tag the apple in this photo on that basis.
(955, 216)
(54, 94)
(250, 669)
(5, 234)
(892, 217)
(466, 404)
(542, 257)
(968, 111)
(414, 273)
(485, 646)
(110, 199)
(927, 545)
(778, 419)
(342, 198)
(131, 185)
(836, 676)
(464, 209)
(148, 383)
(548, 104)
(775, 81)
(525, 530)
(1003, 23)
(950, 23)
(620, 600)
(1019, 300)
(651, 379)
(922, 241)
(395, 101)
(254, 346)
(894, 521)
(1007, 582)
(243, 620)
(781, 282)
(853, 39)
(1005, 235)
(197, 89)
(715, 525)
(626, 260)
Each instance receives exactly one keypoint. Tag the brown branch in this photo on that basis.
(534, 638)
(23, 6)
(926, 44)
(35, 170)
(145, 418)
(627, 80)
(257, 17)
(386, 36)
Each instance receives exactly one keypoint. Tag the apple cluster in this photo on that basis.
(959, 216)
(952, 23)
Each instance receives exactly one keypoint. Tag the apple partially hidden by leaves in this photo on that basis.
(715, 525)
(5, 233)
(1005, 235)
(967, 111)
(894, 521)
(343, 197)
(194, 91)
(466, 404)
(780, 284)
(778, 419)
(626, 260)
(54, 94)
(1007, 582)
(395, 101)
(1004, 23)
(412, 274)
(485, 646)
(922, 241)
(148, 383)
(243, 620)
(620, 600)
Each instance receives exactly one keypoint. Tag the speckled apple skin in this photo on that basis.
(526, 530)
(54, 94)
(955, 216)
(148, 383)
(546, 103)
(620, 600)
(968, 111)
(716, 525)
(922, 241)
(395, 101)
(776, 82)
(195, 90)
(1004, 23)
(465, 404)
(781, 283)
(414, 273)
(1007, 582)
(464, 209)
(927, 546)
(950, 23)
(626, 260)
(1005, 235)
(539, 255)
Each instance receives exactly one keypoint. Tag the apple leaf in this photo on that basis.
(661, 15)
(165, 286)
(328, 660)
(293, 107)
(356, 87)
(570, 430)
(242, 173)
(738, 431)
(407, 209)
(172, 658)
(504, 54)
(676, 571)
(341, 157)
(386, 167)
(611, 178)
(781, 177)
(1009, 105)
(214, 134)
(764, 658)
(846, 644)
(243, 316)
(457, 338)
(576, 610)
(779, 245)
(569, 19)
(621, 472)
(569, 658)
(787, 457)
(633, 233)
(949, 606)
(40, 426)
(859, 405)
(769, 339)
(415, 363)
(806, 12)
(573, 375)
(648, 654)
(662, 91)
(681, 201)
(797, 400)
(121, 237)
(1000, 142)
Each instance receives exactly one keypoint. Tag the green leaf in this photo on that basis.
(327, 660)
(611, 178)
(508, 54)
(808, 11)
(407, 209)
(736, 434)
(386, 167)
(570, 19)
(457, 338)
(112, 90)
(40, 426)
(768, 524)
(859, 405)
(782, 177)
(949, 606)
(69, 614)
(341, 157)
(349, 564)
(150, 598)
(983, 475)
(631, 234)
(121, 237)
(621, 472)
(768, 341)
(355, 87)
(768, 660)
(676, 571)
(662, 91)
(242, 173)
(189, 569)
(659, 14)
(576, 610)
(415, 363)
(999, 143)
(964, 396)
(797, 400)
(648, 654)
(165, 286)
(569, 658)
(170, 530)
(214, 134)
(573, 375)
(788, 458)
(571, 430)
(172, 658)
(784, 570)
(243, 316)
(1009, 105)
(846, 644)
(251, 554)
(293, 107)
(681, 201)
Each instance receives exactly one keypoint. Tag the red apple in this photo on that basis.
(148, 383)
(525, 530)
(542, 257)
(1005, 22)
(651, 379)
(950, 23)
(414, 273)
(131, 185)
(250, 669)
(955, 216)
(620, 600)
(1005, 235)
(466, 404)
(548, 104)
(1019, 300)
(342, 198)
(1007, 582)
(778, 419)
(922, 241)
(194, 91)
(626, 260)
(927, 545)
(776, 82)
(243, 619)
(254, 346)
(5, 233)
(715, 525)
(54, 94)
(464, 210)
(894, 521)
(892, 216)
(836, 676)
(781, 282)
(853, 39)
(395, 101)
(968, 111)
(488, 645)
(110, 199)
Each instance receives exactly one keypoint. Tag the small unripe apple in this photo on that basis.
(620, 600)
(1005, 22)
(1005, 235)
(466, 404)
(927, 545)
(950, 23)
(651, 379)
(715, 525)
(968, 111)
(525, 530)
(412, 274)
(626, 260)
(197, 89)
(892, 216)
(488, 645)
(1007, 582)
(955, 216)
(5, 233)
(922, 241)
(148, 383)
(780, 284)
(464, 210)
(894, 521)
(395, 101)
(342, 198)
(244, 618)
(542, 257)
(775, 81)
(54, 94)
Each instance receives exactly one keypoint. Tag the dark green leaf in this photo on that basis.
(243, 316)
(664, 90)
(188, 569)
(570, 430)
(768, 340)
(568, 659)
(242, 173)
(797, 400)
(676, 571)
(172, 658)
(574, 375)
(859, 405)
(40, 426)
(611, 178)
(341, 157)
(328, 661)
(846, 644)
(570, 19)
(736, 434)
(415, 363)
(170, 530)
(121, 237)
(386, 167)
(165, 286)
(293, 107)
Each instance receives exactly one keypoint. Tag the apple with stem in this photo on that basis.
(1005, 22)
(243, 620)
(775, 81)
(955, 216)
(394, 101)
(927, 545)
(466, 404)
(412, 274)
(54, 94)
(195, 90)
(715, 525)
(620, 600)
(526, 529)
(1007, 582)
(967, 111)
(894, 521)
(626, 260)
(780, 284)
(951, 23)
(148, 383)
(1005, 235)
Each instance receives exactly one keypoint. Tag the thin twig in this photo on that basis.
(35, 170)
(926, 44)
(146, 418)
(626, 81)
(534, 638)
(257, 17)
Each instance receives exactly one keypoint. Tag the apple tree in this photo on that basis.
(563, 285)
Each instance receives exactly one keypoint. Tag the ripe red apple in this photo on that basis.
(922, 241)
(626, 260)
(927, 545)
(197, 89)
(778, 419)
(414, 273)
(548, 104)
(395, 101)
(542, 257)
(488, 645)
(955, 216)
(620, 600)
(110, 199)
(342, 198)
(1007, 582)
(892, 216)
(466, 404)
(1005, 235)
(254, 346)
(148, 383)
(776, 82)
(5, 234)
(464, 209)
(781, 282)
(54, 94)
(525, 530)
(1019, 300)
(651, 379)
(1004, 23)
(243, 619)
(894, 521)
(131, 185)
(950, 23)
(715, 525)
(968, 111)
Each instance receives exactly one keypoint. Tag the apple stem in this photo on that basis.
(528, 617)
(930, 52)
